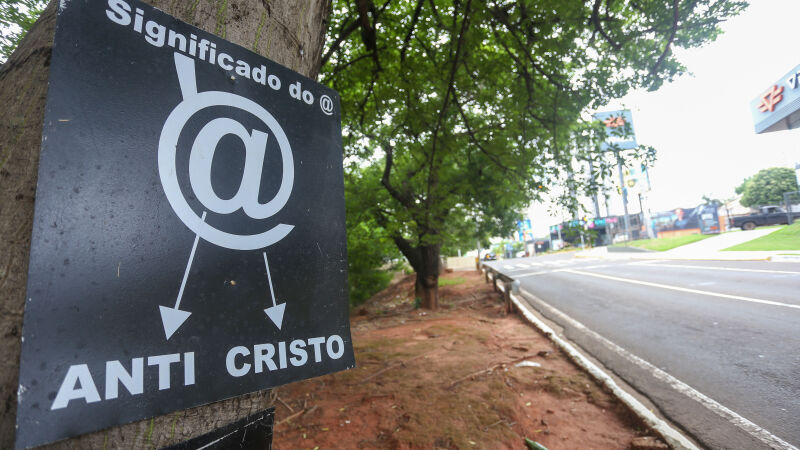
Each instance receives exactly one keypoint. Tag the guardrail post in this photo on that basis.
(494, 281)
(507, 297)
(486, 273)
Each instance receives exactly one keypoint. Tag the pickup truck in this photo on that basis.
(767, 215)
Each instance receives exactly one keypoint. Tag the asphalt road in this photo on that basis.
(724, 334)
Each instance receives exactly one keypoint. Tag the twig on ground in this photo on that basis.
(490, 369)
(393, 366)
(293, 416)
(286, 405)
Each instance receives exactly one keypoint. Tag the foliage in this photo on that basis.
(768, 186)
(16, 18)
(500, 249)
(470, 109)
(370, 251)
(784, 238)
(740, 188)
(708, 200)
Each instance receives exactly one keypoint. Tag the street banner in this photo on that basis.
(189, 230)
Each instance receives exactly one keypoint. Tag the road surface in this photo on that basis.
(715, 345)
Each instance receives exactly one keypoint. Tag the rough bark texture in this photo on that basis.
(290, 32)
(427, 264)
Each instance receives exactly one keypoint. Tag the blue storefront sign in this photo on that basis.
(619, 130)
(777, 108)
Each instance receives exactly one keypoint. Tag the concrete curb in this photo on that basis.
(786, 258)
(671, 436)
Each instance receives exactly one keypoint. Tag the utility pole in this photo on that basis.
(624, 197)
(595, 203)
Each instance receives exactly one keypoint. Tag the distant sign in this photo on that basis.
(189, 231)
(524, 230)
(636, 179)
(777, 108)
(703, 218)
(619, 130)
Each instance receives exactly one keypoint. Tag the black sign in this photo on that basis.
(189, 232)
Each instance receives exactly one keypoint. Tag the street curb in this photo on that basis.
(672, 437)
(785, 258)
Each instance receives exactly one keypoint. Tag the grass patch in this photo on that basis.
(662, 244)
(451, 281)
(783, 238)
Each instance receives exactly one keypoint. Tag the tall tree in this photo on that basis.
(768, 186)
(273, 29)
(467, 106)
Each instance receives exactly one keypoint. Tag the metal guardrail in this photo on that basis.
(506, 285)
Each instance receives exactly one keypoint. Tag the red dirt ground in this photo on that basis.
(448, 379)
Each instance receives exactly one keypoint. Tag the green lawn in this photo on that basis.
(662, 244)
(783, 238)
(451, 281)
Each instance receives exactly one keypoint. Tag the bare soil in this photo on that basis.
(449, 379)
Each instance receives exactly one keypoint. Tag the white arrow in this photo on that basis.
(173, 318)
(275, 312)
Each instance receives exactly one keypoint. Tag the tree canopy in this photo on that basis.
(768, 186)
(16, 18)
(465, 111)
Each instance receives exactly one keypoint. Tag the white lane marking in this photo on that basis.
(508, 267)
(637, 263)
(530, 274)
(544, 272)
(732, 269)
(682, 289)
(710, 404)
(523, 266)
(596, 266)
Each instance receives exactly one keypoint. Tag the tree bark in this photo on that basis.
(426, 286)
(289, 32)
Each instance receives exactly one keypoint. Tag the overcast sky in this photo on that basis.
(701, 124)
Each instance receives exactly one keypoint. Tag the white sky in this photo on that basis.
(701, 124)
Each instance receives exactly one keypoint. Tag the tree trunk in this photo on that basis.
(282, 30)
(427, 283)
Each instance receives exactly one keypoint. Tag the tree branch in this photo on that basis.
(675, 18)
(346, 32)
(403, 198)
(595, 19)
(414, 20)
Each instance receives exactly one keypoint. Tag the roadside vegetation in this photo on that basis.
(435, 155)
(663, 244)
(783, 238)
(451, 281)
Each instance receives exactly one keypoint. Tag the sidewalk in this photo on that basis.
(707, 249)
(719, 243)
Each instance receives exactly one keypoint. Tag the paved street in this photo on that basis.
(722, 338)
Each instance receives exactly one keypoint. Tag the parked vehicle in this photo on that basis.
(766, 215)
(490, 257)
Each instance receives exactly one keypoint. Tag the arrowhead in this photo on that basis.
(172, 318)
(275, 313)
